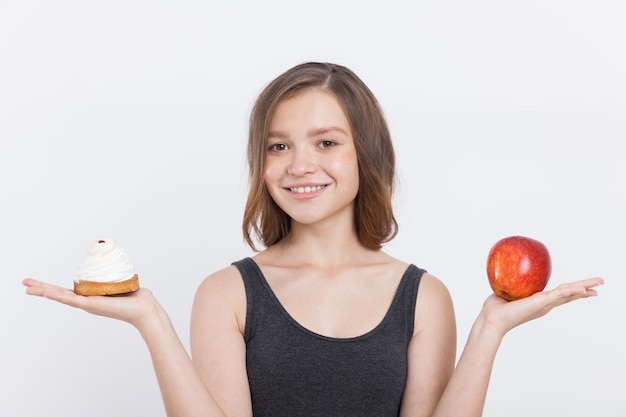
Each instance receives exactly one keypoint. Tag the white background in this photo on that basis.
(128, 119)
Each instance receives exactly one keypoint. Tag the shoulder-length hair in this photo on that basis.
(373, 214)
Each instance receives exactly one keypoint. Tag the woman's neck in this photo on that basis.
(326, 247)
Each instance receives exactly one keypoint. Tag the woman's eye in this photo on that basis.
(327, 143)
(277, 147)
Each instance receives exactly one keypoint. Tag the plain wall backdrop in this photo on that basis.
(128, 120)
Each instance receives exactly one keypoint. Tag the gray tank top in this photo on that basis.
(294, 372)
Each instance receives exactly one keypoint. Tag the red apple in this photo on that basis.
(518, 267)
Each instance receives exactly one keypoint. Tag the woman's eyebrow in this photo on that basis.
(277, 134)
(322, 130)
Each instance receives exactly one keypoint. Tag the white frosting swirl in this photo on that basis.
(105, 262)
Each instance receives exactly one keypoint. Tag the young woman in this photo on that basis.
(321, 321)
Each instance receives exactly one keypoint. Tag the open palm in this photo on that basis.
(509, 314)
(132, 308)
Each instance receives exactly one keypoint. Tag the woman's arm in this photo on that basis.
(465, 392)
(217, 342)
(184, 393)
(432, 351)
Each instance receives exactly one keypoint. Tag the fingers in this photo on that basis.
(34, 287)
(52, 292)
(567, 292)
(91, 304)
(31, 283)
(579, 289)
(588, 283)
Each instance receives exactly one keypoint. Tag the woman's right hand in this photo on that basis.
(133, 308)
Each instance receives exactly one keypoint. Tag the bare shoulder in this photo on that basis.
(434, 303)
(431, 286)
(222, 281)
(221, 295)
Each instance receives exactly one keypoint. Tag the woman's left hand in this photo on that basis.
(506, 315)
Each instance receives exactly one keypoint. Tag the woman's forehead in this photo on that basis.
(313, 108)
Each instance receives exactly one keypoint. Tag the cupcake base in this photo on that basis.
(106, 288)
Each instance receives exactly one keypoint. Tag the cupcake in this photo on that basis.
(106, 270)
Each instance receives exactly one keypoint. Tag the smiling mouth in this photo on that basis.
(307, 189)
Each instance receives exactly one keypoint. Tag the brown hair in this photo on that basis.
(373, 213)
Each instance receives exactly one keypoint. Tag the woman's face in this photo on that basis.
(311, 167)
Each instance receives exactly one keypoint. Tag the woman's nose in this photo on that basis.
(302, 162)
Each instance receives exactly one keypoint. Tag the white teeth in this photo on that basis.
(306, 189)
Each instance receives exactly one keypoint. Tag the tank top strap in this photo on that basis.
(405, 299)
(259, 299)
